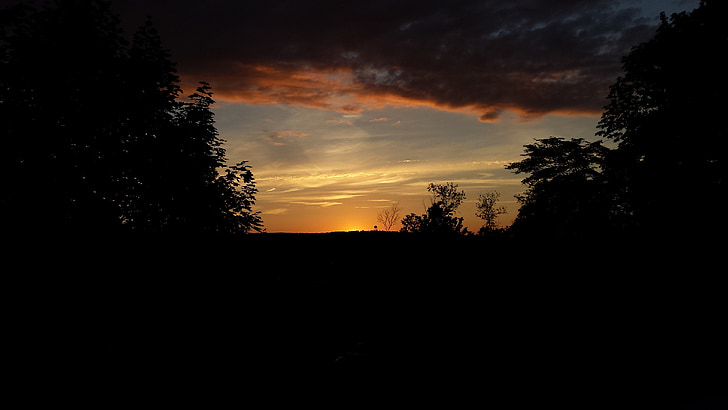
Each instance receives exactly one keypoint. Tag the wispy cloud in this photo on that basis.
(275, 211)
(323, 204)
(280, 138)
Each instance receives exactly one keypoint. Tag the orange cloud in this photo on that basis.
(293, 84)
(341, 89)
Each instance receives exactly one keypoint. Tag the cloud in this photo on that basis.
(381, 119)
(278, 137)
(275, 211)
(323, 204)
(481, 57)
(292, 83)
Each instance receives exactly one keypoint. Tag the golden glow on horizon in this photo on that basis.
(341, 206)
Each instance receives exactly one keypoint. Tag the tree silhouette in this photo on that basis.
(666, 114)
(227, 199)
(565, 194)
(446, 196)
(60, 144)
(439, 217)
(102, 143)
(388, 217)
(487, 211)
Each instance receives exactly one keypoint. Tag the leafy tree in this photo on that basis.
(446, 196)
(236, 191)
(552, 159)
(412, 223)
(153, 153)
(103, 143)
(439, 217)
(565, 194)
(210, 201)
(487, 211)
(61, 144)
(665, 114)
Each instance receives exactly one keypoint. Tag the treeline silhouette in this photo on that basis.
(439, 218)
(96, 138)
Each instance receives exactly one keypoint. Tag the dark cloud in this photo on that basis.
(533, 57)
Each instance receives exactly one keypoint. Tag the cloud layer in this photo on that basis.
(484, 57)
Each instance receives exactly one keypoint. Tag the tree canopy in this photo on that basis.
(440, 215)
(102, 141)
(488, 211)
(665, 112)
(564, 193)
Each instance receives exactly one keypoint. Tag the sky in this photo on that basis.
(343, 108)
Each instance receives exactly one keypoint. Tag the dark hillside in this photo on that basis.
(500, 322)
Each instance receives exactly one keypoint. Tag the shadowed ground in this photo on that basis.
(348, 318)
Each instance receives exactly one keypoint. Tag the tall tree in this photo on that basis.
(151, 147)
(666, 114)
(206, 199)
(59, 137)
(565, 193)
(102, 142)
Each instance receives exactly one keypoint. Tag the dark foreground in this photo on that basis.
(371, 319)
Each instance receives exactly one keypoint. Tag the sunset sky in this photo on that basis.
(344, 107)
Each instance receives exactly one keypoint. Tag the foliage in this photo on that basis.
(446, 196)
(487, 211)
(207, 200)
(565, 193)
(666, 114)
(439, 217)
(554, 158)
(103, 143)
(236, 190)
(412, 223)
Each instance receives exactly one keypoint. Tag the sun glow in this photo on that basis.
(352, 228)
